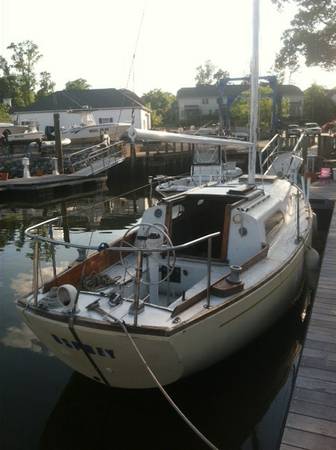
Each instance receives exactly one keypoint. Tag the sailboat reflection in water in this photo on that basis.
(240, 402)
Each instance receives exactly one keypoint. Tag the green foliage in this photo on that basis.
(78, 84)
(46, 85)
(18, 80)
(318, 106)
(163, 106)
(10, 88)
(24, 56)
(241, 108)
(4, 114)
(285, 108)
(209, 74)
(312, 35)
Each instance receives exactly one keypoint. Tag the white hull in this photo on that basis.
(50, 144)
(24, 138)
(93, 133)
(187, 350)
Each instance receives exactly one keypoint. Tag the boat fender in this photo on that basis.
(312, 263)
(67, 294)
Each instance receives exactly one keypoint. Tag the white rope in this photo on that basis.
(156, 381)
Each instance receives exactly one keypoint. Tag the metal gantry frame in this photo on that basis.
(225, 109)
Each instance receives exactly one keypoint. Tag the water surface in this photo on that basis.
(238, 404)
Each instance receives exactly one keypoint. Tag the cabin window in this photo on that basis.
(177, 210)
(273, 224)
(94, 130)
(102, 120)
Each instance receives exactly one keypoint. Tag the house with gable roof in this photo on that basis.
(105, 105)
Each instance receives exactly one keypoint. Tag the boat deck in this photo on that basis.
(311, 420)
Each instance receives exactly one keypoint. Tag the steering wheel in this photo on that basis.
(145, 236)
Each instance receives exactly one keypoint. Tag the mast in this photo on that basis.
(254, 94)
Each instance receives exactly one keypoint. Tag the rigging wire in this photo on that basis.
(131, 69)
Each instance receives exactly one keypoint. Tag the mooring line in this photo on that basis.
(112, 319)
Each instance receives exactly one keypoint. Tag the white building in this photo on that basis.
(106, 105)
(197, 101)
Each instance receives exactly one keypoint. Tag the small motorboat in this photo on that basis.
(90, 132)
(31, 134)
(207, 167)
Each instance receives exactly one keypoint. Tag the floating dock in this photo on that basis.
(47, 186)
(311, 420)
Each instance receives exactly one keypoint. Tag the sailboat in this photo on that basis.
(202, 274)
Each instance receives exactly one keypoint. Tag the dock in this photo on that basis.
(47, 186)
(311, 420)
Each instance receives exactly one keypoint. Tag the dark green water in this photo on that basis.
(238, 404)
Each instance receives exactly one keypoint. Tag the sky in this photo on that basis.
(97, 40)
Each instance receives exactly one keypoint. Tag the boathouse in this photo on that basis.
(106, 105)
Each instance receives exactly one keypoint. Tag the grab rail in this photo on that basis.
(87, 157)
(79, 152)
(269, 143)
(119, 249)
(297, 150)
(269, 152)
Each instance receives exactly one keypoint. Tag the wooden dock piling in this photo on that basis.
(58, 143)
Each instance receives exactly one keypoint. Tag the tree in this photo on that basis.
(163, 106)
(78, 84)
(46, 85)
(24, 56)
(10, 88)
(18, 79)
(312, 35)
(4, 114)
(4, 66)
(318, 106)
(209, 74)
(240, 109)
(220, 74)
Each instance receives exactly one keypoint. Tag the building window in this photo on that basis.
(205, 101)
(191, 112)
(105, 120)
